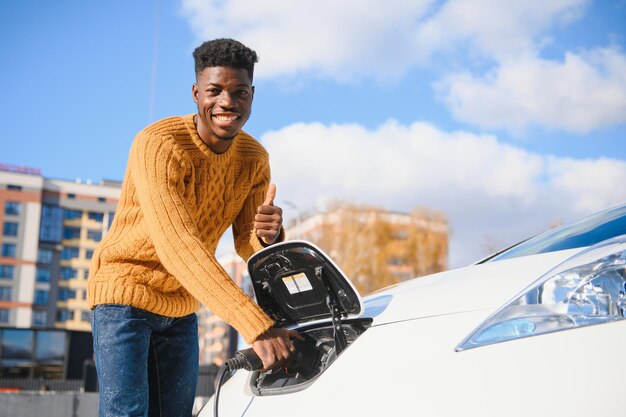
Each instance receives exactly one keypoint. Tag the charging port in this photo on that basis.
(314, 355)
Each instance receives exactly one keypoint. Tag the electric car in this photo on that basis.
(535, 330)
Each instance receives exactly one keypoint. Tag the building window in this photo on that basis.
(73, 214)
(401, 235)
(102, 199)
(85, 316)
(4, 315)
(41, 297)
(12, 208)
(10, 229)
(43, 275)
(6, 271)
(96, 216)
(111, 216)
(14, 187)
(69, 253)
(19, 352)
(50, 348)
(44, 256)
(64, 314)
(71, 233)
(94, 235)
(71, 195)
(396, 261)
(6, 293)
(68, 273)
(51, 224)
(402, 275)
(9, 250)
(89, 254)
(65, 294)
(40, 317)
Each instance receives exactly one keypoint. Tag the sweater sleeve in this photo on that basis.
(246, 240)
(158, 174)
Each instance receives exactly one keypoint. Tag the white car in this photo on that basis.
(536, 330)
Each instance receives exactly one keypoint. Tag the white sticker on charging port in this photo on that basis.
(297, 283)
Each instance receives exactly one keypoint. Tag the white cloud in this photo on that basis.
(489, 190)
(344, 39)
(584, 92)
(590, 184)
(495, 28)
(334, 39)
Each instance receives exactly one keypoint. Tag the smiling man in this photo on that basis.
(189, 178)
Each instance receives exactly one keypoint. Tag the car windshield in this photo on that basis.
(585, 232)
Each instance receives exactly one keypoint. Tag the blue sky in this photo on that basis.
(506, 116)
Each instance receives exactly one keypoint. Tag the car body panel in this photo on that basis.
(418, 373)
(485, 286)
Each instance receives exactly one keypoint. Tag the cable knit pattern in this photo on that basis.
(178, 198)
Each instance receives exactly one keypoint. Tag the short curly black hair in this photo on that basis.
(224, 53)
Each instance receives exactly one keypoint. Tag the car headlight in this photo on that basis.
(586, 289)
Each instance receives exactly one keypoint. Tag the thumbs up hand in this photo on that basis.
(269, 218)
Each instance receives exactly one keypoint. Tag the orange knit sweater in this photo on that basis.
(178, 198)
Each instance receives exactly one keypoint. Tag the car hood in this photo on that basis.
(485, 286)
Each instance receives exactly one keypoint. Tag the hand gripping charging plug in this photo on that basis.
(304, 361)
(305, 358)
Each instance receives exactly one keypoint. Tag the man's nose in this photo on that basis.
(226, 100)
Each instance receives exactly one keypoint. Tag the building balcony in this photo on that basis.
(73, 325)
(76, 304)
(73, 222)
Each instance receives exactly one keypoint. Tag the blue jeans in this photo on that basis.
(147, 364)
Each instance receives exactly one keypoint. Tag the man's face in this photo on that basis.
(224, 99)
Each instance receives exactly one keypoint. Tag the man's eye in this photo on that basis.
(243, 93)
(213, 91)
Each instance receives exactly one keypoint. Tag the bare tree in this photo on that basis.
(376, 248)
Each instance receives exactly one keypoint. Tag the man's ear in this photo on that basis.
(194, 92)
(253, 92)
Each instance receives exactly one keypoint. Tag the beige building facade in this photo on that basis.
(50, 230)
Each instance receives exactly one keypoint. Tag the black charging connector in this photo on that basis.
(304, 362)
(244, 359)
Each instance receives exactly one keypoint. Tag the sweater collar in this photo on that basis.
(202, 147)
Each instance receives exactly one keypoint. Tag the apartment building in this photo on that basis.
(50, 230)
(20, 211)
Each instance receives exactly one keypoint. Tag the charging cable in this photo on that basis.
(244, 359)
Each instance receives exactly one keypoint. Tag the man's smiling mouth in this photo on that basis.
(226, 117)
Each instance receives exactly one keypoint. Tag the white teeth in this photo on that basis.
(224, 118)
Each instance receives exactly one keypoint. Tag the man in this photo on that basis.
(188, 179)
